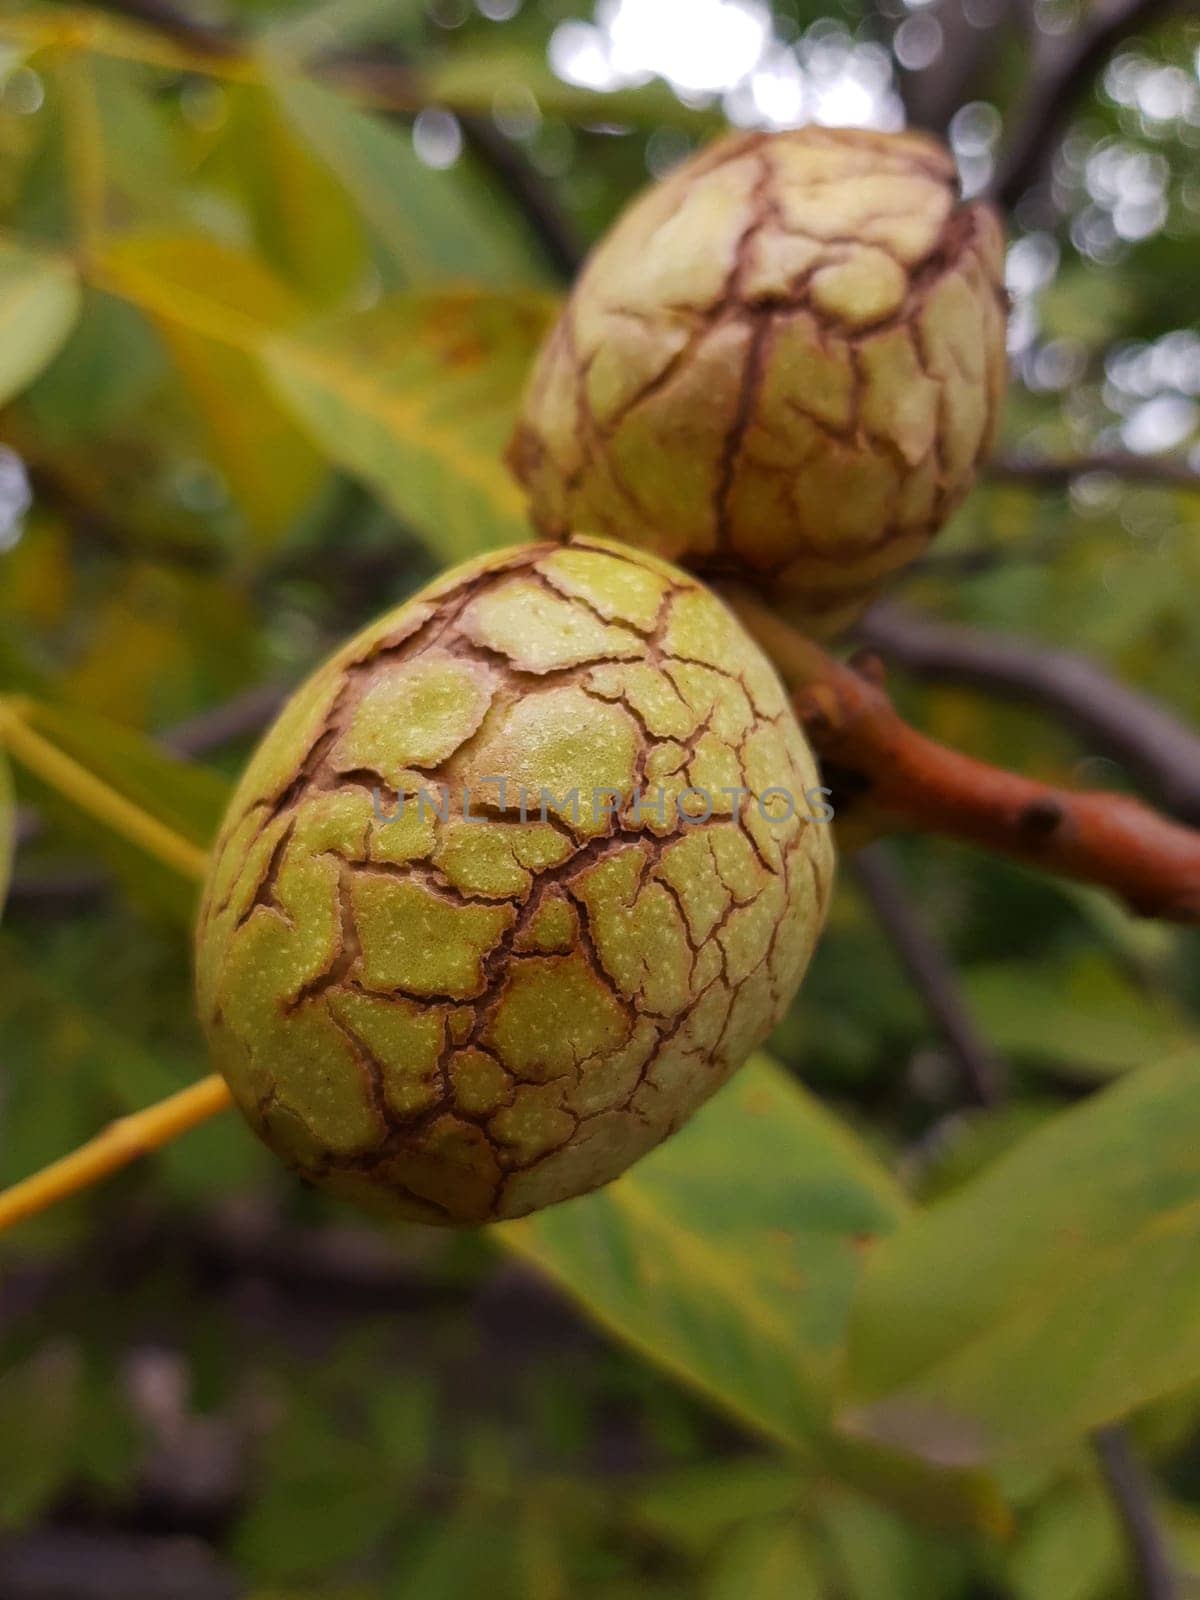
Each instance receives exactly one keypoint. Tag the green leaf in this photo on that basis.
(1055, 1293)
(104, 371)
(765, 1560)
(47, 1063)
(39, 1403)
(435, 225)
(306, 225)
(74, 1058)
(1088, 1020)
(730, 1257)
(731, 1253)
(107, 1442)
(878, 1556)
(39, 302)
(323, 1502)
(183, 798)
(419, 397)
(1070, 1548)
(188, 797)
(467, 1552)
(215, 308)
(693, 1508)
(972, 1140)
(305, 31)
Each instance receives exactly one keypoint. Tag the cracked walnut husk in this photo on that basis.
(784, 363)
(458, 1002)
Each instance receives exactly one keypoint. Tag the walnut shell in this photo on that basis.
(461, 1003)
(785, 362)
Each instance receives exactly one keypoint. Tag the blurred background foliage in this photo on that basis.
(270, 277)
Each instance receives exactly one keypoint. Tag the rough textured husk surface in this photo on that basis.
(461, 1021)
(786, 361)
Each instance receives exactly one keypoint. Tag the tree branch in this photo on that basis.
(932, 94)
(1153, 743)
(529, 193)
(393, 87)
(244, 715)
(887, 777)
(1058, 472)
(167, 19)
(1063, 73)
(88, 1564)
(1132, 1495)
(931, 974)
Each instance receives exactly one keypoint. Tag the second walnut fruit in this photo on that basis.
(785, 363)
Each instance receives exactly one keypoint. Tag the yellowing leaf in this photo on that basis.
(202, 285)
(76, 28)
(39, 302)
(730, 1257)
(1058, 1291)
(661, 1254)
(214, 309)
(419, 397)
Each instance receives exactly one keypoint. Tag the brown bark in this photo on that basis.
(887, 777)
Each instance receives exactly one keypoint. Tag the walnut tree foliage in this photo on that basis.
(849, 1333)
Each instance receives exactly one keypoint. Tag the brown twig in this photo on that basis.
(932, 94)
(1132, 1495)
(1058, 472)
(977, 559)
(246, 715)
(887, 777)
(1136, 730)
(931, 975)
(1065, 73)
(165, 18)
(531, 195)
(92, 1564)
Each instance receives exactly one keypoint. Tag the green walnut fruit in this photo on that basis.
(784, 363)
(516, 881)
